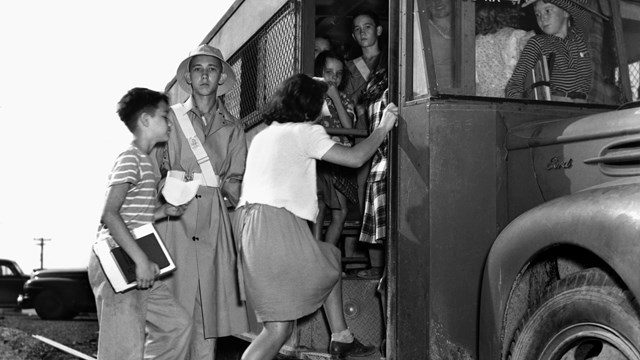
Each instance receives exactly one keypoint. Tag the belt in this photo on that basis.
(570, 94)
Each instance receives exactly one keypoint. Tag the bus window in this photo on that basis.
(631, 27)
(437, 20)
(420, 87)
(442, 33)
(605, 89)
(499, 40)
(634, 74)
(571, 78)
(262, 63)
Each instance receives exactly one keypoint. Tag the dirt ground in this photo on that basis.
(17, 343)
(80, 334)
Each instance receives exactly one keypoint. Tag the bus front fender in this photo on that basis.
(603, 220)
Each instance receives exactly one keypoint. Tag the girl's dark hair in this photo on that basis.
(321, 62)
(299, 98)
(137, 101)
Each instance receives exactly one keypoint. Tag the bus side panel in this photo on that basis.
(448, 194)
(412, 297)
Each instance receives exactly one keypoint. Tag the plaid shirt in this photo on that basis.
(374, 221)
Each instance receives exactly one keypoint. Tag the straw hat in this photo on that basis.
(563, 4)
(209, 50)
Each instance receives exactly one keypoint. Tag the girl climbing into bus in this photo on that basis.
(288, 273)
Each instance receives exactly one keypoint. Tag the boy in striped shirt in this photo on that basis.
(563, 40)
(146, 322)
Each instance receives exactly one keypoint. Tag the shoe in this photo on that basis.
(339, 350)
(372, 273)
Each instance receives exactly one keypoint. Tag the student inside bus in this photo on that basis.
(374, 221)
(321, 43)
(336, 184)
(565, 47)
(366, 31)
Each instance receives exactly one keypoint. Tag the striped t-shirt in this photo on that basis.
(134, 167)
(571, 70)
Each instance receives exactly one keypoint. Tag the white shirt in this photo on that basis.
(281, 168)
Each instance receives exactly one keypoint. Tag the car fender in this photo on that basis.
(62, 286)
(47, 282)
(604, 220)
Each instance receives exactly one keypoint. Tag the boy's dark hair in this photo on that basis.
(369, 13)
(299, 98)
(321, 62)
(137, 101)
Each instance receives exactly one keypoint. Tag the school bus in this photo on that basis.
(514, 224)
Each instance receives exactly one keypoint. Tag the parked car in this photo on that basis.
(58, 294)
(11, 281)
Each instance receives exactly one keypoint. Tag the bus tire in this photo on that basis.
(585, 310)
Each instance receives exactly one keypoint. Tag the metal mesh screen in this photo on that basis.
(634, 78)
(261, 64)
(634, 75)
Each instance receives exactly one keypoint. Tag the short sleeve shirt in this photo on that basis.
(281, 167)
(135, 168)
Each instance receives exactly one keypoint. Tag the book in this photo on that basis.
(120, 269)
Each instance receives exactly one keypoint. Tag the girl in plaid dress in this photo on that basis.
(336, 184)
(374, 219)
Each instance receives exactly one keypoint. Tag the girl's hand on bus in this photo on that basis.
(389, 117)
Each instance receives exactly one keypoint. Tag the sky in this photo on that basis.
(64, 66)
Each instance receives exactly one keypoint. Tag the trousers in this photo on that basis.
(138, 324)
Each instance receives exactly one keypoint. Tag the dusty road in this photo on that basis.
(80, 334)
(16, 342)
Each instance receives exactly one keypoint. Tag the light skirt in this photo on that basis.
(287, 273)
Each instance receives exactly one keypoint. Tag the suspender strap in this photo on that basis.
(210, 177)
(362, 67)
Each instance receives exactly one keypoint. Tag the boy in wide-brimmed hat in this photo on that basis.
(207, 145)
(565, 47)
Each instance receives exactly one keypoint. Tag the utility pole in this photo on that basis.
(41, 244)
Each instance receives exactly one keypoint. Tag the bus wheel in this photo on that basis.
(583, 316)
